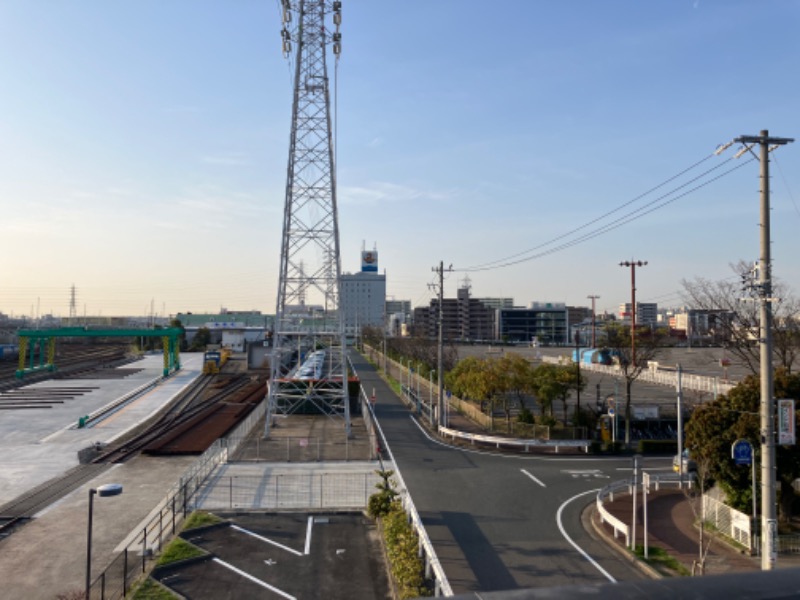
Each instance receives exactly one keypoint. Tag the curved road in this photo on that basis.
(500, 522)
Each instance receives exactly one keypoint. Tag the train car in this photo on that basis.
(212, 362)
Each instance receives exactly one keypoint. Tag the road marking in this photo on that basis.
(269, 562)
(308, 535)
(574, 545)
(532, 477)
(267, 540)
(254, 579)
(587, 473)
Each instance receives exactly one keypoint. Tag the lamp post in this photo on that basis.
(109, 489)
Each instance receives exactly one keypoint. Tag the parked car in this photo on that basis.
(689, 465)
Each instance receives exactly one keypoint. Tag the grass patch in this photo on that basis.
(201, 518)
(151, 590)
(658, 557)
(178, 549)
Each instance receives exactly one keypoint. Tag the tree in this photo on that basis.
(547, 387)
(483, 379)
(176, 323)
(201, 339)
(632, 361)
(737, 321)
(714, 427)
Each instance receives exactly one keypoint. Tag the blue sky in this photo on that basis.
(143, 146)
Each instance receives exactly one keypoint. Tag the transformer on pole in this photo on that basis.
(307, 366)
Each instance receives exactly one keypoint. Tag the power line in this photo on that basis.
(619, 222)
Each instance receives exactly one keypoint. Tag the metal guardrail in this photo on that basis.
(606, 517)
(626, 486)
(527, 444)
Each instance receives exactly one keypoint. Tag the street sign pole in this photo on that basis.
(645, 492)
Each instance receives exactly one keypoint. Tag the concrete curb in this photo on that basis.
(591, 514)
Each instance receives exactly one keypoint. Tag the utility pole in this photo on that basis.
(594, 339)
(440, 406)
(769, 521)
(633, 264)
(578, 368)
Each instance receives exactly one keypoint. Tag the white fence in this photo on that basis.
(657, 375)
(525, 444)
(728, 521)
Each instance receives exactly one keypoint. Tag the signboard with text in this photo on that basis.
(786, 422)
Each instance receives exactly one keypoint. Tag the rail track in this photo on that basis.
(24, 507)
(188, 415)
(72, 360)
(200, 415)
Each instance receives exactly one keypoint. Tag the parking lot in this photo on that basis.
(283, 555)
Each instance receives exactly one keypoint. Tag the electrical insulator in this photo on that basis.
(287, 16)
(337, 19)
(337, 37)
(337, 48)
(287, 47)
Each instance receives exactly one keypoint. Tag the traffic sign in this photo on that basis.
(742, 452)
(611, 412)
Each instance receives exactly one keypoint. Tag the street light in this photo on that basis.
(109, 489)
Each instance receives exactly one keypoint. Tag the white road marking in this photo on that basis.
(532, 477)
(574, 545)
(586, 473)
(254, 579)
(308, 535)
(267, 540)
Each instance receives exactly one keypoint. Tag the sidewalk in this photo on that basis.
(671, 527)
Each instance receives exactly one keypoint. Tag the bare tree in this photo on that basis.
(632, 361)
(695, 499)
(735, 304)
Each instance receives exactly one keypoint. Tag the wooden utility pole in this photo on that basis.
(633, 264)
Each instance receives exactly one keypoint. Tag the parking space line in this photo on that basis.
(532, 477)
(254, 579)
(267, 540)
(308, 534)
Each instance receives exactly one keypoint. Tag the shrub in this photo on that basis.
(657, 447)
(380, 503)
(402, 544)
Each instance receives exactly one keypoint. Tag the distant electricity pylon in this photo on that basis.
(307, 315)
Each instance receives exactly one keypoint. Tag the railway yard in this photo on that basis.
(108, 416)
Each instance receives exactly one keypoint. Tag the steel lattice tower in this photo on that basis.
(307, 316)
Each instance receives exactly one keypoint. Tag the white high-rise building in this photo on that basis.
(363, 296)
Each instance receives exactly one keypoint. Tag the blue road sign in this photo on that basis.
(742, 452)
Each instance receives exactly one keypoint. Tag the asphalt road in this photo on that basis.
(500, 522)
